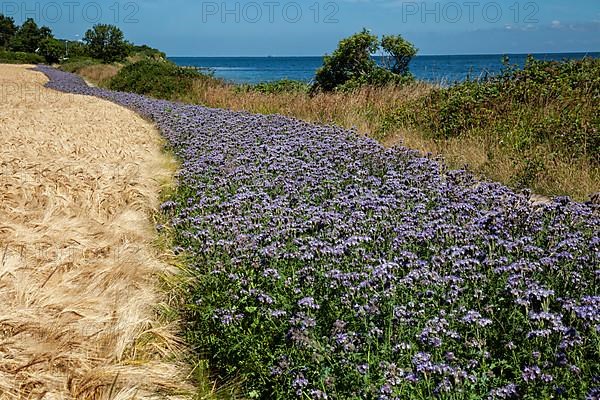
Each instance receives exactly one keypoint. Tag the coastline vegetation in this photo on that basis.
(101, 45)
(351, 66)
(156, 79)
(536, 127)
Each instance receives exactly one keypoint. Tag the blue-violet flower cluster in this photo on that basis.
(330, 267)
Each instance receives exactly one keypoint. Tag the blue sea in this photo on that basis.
(440, 69)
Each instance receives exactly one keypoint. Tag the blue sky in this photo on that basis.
(313, 27)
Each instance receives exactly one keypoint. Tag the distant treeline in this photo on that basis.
(32, 43)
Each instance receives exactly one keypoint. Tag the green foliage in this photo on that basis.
(528, 168)
(351, 60)
(549, 103)
(378, 77)
(160, 79)
(398, 52)
(75, 64)
(107, 43)
(351, 64)
(275, 87)
(7, 30)
(148, 52)
(17, 57)
(77, 50)
(52, 50)
(102, 42)
(29, 37)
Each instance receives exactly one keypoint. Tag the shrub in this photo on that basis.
(351, 60)
(160, 79)
(399, 52)
(378, 77)
(52, 50)
(551, 103)
(280, 86)
(75, 64)
(77, 50)
(17, 57)
(351, 64)
(145, 51)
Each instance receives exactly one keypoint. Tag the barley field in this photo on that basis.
(80, 178)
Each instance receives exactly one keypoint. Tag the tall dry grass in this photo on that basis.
(372, 111)
(363, 110)
(369, 109)
(99, 73)
(578, 178)
(79, 179)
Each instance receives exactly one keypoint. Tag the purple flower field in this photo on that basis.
(329, 267)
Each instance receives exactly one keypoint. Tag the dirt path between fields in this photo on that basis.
(79, 178)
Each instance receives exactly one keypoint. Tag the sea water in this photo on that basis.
(440, 69)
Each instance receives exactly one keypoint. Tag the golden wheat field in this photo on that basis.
(79, 179)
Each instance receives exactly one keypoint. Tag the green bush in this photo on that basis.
(159, 79)
(52, 50)
(75, 64)
(275, 87)
(398, 52)
(378, 77)
(351, 64)
(148, 52)
(17, 57)
(552, 103)
(351, 60)
(77, 50)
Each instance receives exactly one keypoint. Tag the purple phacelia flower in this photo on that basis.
(308, 302)
(506, 392)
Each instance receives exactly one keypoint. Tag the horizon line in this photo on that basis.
(418, 55)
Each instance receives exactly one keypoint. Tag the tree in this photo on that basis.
(7, 30)
(398, 52)
(351, 60)
(77, 49)
(351, 65)
(29, 36)
(52, 50)
(107, 43)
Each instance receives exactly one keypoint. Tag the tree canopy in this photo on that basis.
(7, 30)
(106, 42)
(352, 65)
(398, 53)
(29, 36)
(103, 42)
(52, 49)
